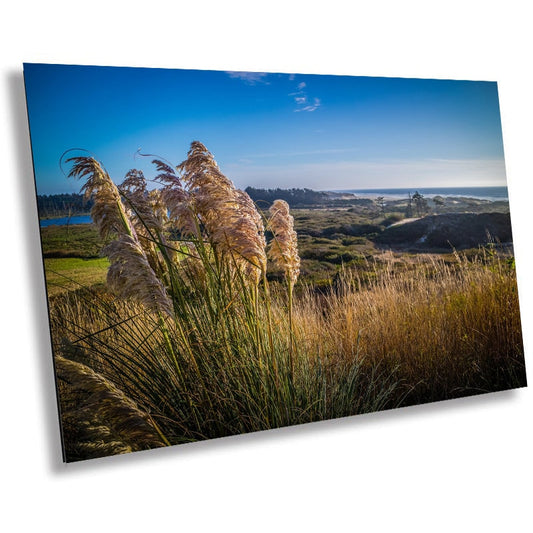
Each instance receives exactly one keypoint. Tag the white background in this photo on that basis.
(464, 465)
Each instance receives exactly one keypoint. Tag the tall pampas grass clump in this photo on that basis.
(196, 342)
(130, 273)
(232, 224)
(283, 251)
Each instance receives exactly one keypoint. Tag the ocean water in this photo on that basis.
(482, 193)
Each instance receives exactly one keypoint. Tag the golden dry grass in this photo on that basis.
(429, 334)
(449, 330)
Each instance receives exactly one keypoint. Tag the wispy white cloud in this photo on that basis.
(302, 101)
(310, 107)
(250, 78)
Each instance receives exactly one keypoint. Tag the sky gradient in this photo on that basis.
(268, 130)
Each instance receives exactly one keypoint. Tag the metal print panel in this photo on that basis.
(230, 252)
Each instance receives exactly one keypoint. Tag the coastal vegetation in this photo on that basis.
(189, 312)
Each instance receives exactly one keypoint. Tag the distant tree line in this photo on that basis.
(265, 197)
(57, 205)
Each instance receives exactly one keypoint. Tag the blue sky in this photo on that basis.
(268, 130)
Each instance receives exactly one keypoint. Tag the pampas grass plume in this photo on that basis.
(283, 248)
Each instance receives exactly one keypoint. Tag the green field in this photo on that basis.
(79, 240)
(329, 239)
(71, 273)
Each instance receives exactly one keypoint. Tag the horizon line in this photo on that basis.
(369, 189)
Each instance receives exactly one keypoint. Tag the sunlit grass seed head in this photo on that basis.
(176, 200)
(233, 231)
(147, 210)
(181, 211)
(200, 170)
(237, 232)
(108, 212)
(130, 273)
(109, 421)
(250, 236)
(283, 248)
(229, 216)
(158, 207)
(131, 276)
